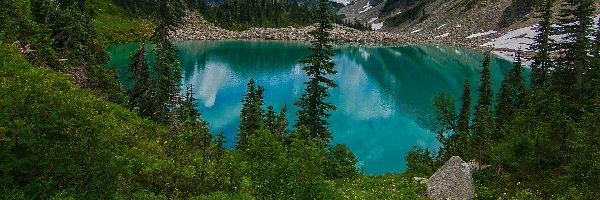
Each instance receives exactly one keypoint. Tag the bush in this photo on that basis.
(419, 162)
(341, 163)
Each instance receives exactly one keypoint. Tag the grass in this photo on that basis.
(389, 186)
(115, 25)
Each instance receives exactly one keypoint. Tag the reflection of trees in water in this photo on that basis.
(413, 75)
(243, 57)
(409, 76)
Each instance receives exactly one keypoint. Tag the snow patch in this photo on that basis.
(442, 26)
(517, 39)
(366, 8)
(476, 35)
(510, 56)
(344, 2)
(373, 19)
(522, 38)
(443, 35)
(377, 26)
(416, 31)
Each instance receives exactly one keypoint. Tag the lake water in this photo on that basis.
(384, 98)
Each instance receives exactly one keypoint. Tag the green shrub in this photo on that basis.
(419, 162)
(341, 163)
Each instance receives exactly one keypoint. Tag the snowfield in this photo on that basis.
(476, 35)
(366, 8)
(377, 26)
(416, 31)
(522, 38)
(443, 35)
(344, 2)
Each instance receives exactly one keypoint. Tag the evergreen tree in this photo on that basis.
(313, 109)
(518, 81)
(167, 66)
(251, 116)
(140, 93)
(188, 106)
(542, 61)
(270, 118)
(505, 105)
(280, 129)
(482, 121)
(445, 115)
(276, 122)
(464, 116)
(512, 93)
(596, 50)
(446, 128)
(576, 21)
(464, 121)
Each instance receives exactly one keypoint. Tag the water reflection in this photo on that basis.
(383, 100)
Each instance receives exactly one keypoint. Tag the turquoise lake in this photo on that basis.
(384, 98)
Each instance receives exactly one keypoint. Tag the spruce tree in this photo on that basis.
(482, 121)
(505, 105)
(518, 81)
(542, 61)
(140, 92)
(167, 66)
(280, 129)
(576, 21)
(270, 118)
(464, 117)
(276, 122)
(251, 116)
(464, 121)
(313, 109)
(596, 50)
(188, 106)
(445, 118)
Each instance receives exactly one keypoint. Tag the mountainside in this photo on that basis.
(437, 16)
(474, 23)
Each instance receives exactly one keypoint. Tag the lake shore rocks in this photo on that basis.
(195, 27)
(452, 181)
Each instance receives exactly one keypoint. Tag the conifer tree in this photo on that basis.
(251, 116)
(596, 50)
(445, 118)
(576, 21)
(482, 120)
(270, 118)
(464, 121)
(276, 122)
(518, 81)
(313, 109)
(167, 66)
(592, 79)
(280, 129)
(464, 117)
(542, 61)
(140, 92)
(505, 104)
(188, 106)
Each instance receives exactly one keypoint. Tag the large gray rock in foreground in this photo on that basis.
(452, 181)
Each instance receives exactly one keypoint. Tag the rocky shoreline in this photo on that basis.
(195, 27)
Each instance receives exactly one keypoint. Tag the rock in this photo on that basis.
(452, 181)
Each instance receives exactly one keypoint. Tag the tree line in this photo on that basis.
(68, 144)
(277, 162)
(538, 135)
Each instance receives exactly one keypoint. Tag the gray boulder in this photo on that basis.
(452, 181)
